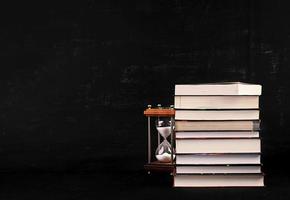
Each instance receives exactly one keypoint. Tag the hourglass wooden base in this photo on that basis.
(157, 166)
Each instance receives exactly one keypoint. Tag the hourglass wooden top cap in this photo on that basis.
(159, 112)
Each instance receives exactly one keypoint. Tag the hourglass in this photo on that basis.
(164, 129)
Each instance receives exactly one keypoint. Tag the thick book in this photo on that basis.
(219, 169)
(218, 180)
(227, 88)
(241, 145)
(216, 102)
(216, 134)
(221, 125)
(216, 114)
(218, 159)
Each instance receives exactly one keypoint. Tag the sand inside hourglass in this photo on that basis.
(164, 131)
(165, 157)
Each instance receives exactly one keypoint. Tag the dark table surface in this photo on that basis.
(104, 179)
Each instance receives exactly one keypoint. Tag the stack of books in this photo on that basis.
(217, 135)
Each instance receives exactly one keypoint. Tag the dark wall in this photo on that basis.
(75, 77)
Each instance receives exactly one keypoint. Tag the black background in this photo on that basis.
(75, 77)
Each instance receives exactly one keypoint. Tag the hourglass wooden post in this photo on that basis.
(156, 165)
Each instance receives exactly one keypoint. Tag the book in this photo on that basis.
(218, 180)
(227, 88)
(218, 159)
(220, 125)
(216, 114)
(241, 145)
(217, 134)
(216, 102)
(250, 169)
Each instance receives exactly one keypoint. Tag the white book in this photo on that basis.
(237, 125)
(217, 134)
(227, 88)
(217, 159)
(216, 102)
(216, 114)
(218, 169)
(252, 145)
(228, 180)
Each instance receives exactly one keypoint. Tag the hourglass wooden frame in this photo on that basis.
(156, 165)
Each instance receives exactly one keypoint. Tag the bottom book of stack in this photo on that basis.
(219, 180)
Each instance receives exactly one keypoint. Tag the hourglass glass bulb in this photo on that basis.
(164, 151)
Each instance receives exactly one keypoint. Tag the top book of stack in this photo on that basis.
(212, 89)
